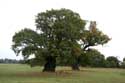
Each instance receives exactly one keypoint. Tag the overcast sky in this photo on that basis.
(109, 14)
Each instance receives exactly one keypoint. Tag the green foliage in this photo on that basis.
(56, 35)
(122, 64)
(60, 24)
(112, 61)
(93, 37)
(90, 38)
(123, 59)
(26, 41)
(56, 39)
(93, 58)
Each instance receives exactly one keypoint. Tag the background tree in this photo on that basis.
(122, 65)
(93, 37)
(57, 34)
(112, 62)
(123, 59)
(57, 37)
(95, 58)
(89, 38)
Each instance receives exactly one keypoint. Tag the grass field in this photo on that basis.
(17, 73)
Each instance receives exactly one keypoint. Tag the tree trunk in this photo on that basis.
(50, 64)
(75, 65)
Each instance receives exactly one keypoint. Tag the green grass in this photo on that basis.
(18, 73)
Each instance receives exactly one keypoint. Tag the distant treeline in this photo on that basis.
(9, 61)
(93, 61)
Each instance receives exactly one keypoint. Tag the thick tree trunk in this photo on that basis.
(50, 64)
(75, 65)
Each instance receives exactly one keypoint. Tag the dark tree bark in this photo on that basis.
(50, 64)
(75, 65)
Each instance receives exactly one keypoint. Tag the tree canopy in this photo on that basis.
(112, 61)
(57, 34)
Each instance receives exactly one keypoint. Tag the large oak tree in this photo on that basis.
(57, 34)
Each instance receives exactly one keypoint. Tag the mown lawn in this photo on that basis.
(18, 73)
